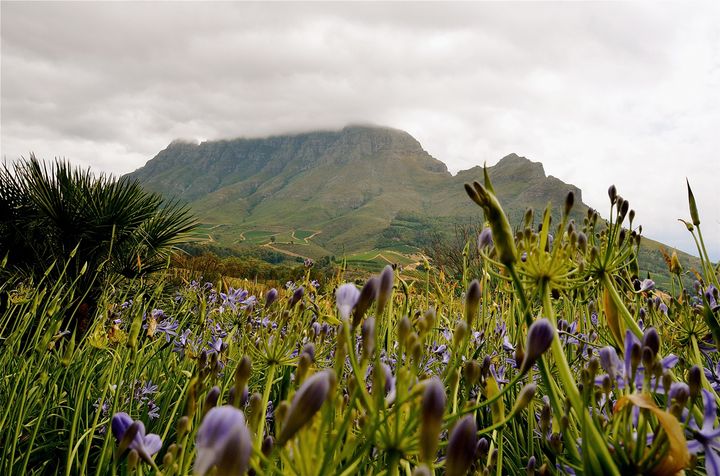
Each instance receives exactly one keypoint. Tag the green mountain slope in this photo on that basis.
(370, 193)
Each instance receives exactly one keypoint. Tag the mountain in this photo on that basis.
(362, 191)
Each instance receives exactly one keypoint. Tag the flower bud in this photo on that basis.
(368, 294)
(530, 468)
(404, 329)
(651, 339)
(461, 329)
(648, 358)
(432, 410)
(485, 239)
(582, 241)
(368, 337)
(305, 404)
(133, 459)
(346, 297)
(385, 288)
(223, 442)
(270, 297)
(297, 296)
(501, 231)
(429, 318)
(569, 202)
(254, 410)
(482, 447)
(694, 381)
(421, 470)
(461, 447)
(524, 397)
(472, 302)
(183, 426)
(267, 446)
(303, 366)
(675, 266)
(471, 370)
(693, 207)
(540, 335)
(612, 193)
(211, 399)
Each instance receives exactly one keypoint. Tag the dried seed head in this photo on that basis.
(461, 447)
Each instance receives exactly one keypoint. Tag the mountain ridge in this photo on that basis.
(362, 187)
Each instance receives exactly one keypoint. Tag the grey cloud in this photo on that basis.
(600, 92)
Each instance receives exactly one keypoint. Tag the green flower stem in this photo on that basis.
(263, 408)
(569, 436)
(697, 357)
(356, 369)
(617, 300)
(703, 253)
(570, 385)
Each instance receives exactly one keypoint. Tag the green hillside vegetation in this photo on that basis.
(347, 193)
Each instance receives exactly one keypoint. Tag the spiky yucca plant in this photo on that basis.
(55, 216)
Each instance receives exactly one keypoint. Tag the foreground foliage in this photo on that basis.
(557, 359)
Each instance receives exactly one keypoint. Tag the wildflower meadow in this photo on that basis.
(558, 358)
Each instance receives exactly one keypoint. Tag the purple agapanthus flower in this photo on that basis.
(646, 285)
(145, 445)
(236, 299)
(183, 343)
(215, 344)
(714, 377)
(620, 371)
(707, 438)
(223, 441)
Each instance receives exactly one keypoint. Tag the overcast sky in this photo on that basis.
(600, 92)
